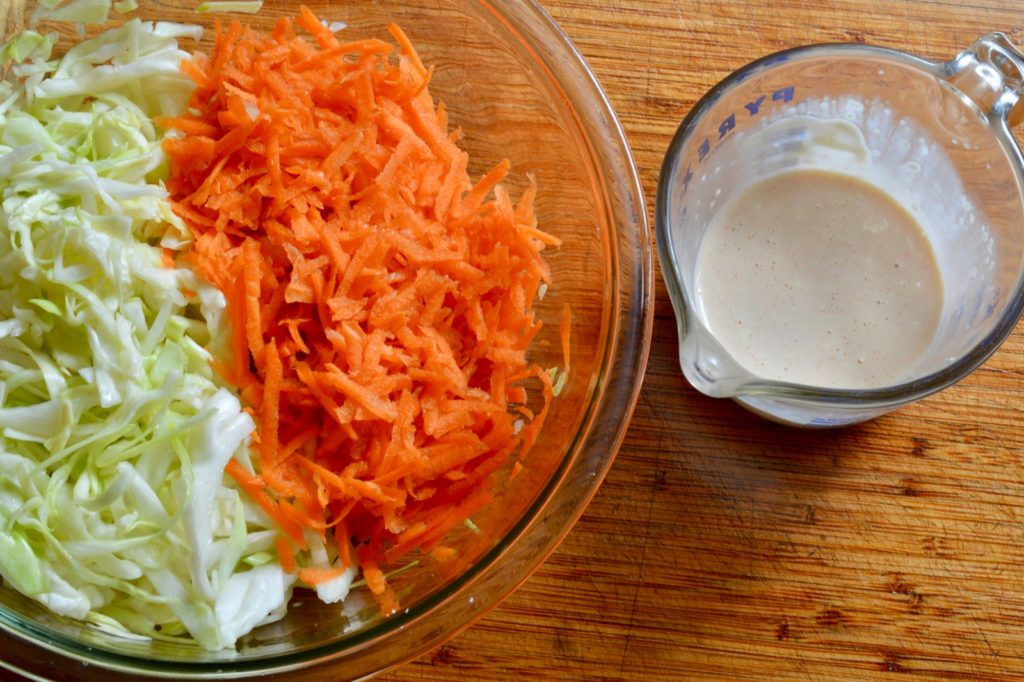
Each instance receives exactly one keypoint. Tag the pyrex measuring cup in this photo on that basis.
(935, 136)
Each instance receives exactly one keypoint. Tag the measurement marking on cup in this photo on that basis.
(728, 124)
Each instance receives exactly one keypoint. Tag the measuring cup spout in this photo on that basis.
(708, 366)
(990, 72)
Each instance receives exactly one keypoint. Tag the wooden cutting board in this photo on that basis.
(724, 547)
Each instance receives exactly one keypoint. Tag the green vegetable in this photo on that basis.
(28, 45)
(114, 432)
(77, 11)
(558, 380)
(244, 6)
(18, 561)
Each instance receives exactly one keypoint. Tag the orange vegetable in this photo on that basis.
(564, 333)
(286, 554)
(381, 303)
(442, 553)
(315, 576)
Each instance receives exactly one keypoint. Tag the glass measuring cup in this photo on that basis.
(936, 136)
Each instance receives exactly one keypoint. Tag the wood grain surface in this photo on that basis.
(724, 547)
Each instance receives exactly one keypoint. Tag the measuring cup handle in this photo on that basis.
(991, 73)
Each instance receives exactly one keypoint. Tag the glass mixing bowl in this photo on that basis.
(519, 90)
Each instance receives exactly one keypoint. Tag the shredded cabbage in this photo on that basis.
(244, 6)
(114, 432)
(77, 11)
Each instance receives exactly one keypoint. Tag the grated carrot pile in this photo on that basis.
(381, 302)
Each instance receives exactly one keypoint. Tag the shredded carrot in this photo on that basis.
(443, 553)
(254, 486)
(285, 552)
(564, 331)
(315, 576)
(380, 301)
(378, 584)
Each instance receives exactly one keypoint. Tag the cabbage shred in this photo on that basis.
(114, 432)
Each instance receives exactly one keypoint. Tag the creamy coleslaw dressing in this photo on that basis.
(818, 277)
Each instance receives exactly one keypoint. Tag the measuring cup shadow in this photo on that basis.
(705, 455)
(728, 501)
(716, 516)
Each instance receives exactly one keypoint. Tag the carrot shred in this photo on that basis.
(285, 553)
(564, 330)
(408, 50)
(254, 486)
(443, 553)
(374, 579)
(380, 301)
(344, 545)
(315, 576)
